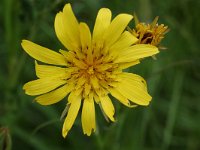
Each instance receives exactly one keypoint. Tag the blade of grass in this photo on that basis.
(152, 85)
(173, 108)
(32, 140)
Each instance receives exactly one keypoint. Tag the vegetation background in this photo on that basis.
(172, 121)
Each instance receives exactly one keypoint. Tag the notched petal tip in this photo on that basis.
(155, 48)
(58, 15)
(155, 51)
(126, 15)
(112, 119)
(88, 133)
(147, 101)
(22, 42)
(105, 10)
(67, 6)
(131, 105)
(25, 86)
(65, 133)
(25, 43)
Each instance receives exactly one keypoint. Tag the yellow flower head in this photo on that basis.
(90, 69)
(149, 33)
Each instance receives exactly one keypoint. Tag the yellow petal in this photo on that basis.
(95, 82)
(87, 88)
(128, 64)
(136, 52)
(85, 36)
(96, 98)
(43, 54)
(125, 40)
(116, 28)
(132, 87)
(80, 82)
(43, 71)
(54, 96)
(79, 63)
(138, 80)
(120, 97)
(102, 22)
(74, 94)
(41, 86)
(67, 28)
(88, 116)
(72, 114)
(107, 106)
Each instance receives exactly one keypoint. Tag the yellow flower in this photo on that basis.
(151, 33)
(90, 69)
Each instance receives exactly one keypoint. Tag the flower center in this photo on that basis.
(91, 73)
(90, 70)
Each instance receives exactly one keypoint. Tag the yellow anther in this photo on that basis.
(91, 70)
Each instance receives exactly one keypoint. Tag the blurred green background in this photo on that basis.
(172, 121)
